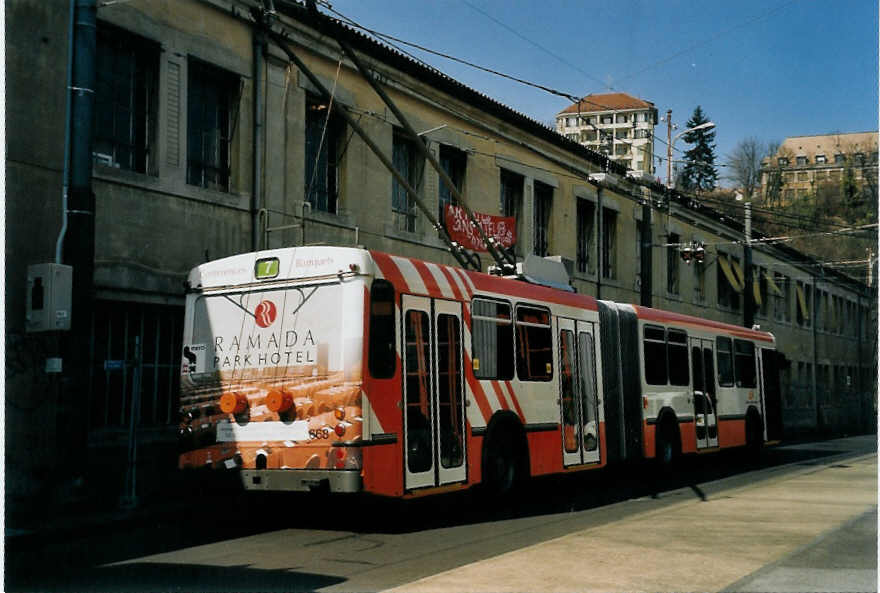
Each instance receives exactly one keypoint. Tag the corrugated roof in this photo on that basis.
(607, 102)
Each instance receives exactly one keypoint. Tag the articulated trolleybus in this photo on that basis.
(349, 370)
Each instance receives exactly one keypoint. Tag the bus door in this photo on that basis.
(578, 398)
(433, 392)
(705, 402)
(771, 396)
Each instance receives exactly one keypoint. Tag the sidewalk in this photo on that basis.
(701, 545)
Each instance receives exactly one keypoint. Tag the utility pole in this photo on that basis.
(748, 288)
(79, 249)
(669, 148)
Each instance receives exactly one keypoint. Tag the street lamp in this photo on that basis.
(670, 141)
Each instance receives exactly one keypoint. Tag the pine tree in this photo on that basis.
(699, 173)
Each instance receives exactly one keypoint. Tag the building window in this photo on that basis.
(622, 119)
(820, 159)
(575, 137)
(607, 119)
(324, 134)
(454, 163)
(640, 133)
(782, 309)
(588, 120)
(800, 161)
(511, 201)
(621, 149)
(730, 281)
(588, 135)
(543, 202)
(126, 96)
(624, 133)
(699, 281)
(586, 222)
(672, 259)
(609, 243)
(115, 328)
(211, 93)
(803, 176)
(782, 161)
(403, 205)
(839, 158)
(802, 306)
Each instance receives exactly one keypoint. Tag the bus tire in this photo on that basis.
(754, 436)
(668, 442)
(503, 460)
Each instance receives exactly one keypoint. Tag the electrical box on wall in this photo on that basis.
(48, 300)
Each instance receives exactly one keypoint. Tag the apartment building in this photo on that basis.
(803, 164)
(614, 124)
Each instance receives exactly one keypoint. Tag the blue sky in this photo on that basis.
(768, 69)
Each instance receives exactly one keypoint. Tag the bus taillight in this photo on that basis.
(346, 458)
(279, 401)
(233, 403)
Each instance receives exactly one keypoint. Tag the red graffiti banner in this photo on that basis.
(503, 228)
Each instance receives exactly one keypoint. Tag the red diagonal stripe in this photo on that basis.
(452, 283)
(390, 270)
(428, 278)
(514, 400)
(500, 395)
(477, 390)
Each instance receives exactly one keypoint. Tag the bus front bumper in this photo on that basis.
(302, 480)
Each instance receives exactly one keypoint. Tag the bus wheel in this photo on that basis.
(668, 448)
(754, 437)
(501, 463)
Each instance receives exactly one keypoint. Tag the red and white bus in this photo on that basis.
(359, 371)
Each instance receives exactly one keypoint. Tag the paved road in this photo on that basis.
(716, 523)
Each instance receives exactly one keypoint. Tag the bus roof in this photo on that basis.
(414, 276)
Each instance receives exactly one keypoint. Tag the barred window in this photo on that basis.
(211, 97)
(324, 140)
(403, 205)
(126, 97)
(586, 223)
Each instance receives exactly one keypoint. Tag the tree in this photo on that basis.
(744, 165)
(699, 173)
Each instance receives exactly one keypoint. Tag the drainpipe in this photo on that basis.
(257, 152)
(79, 248)
(646, 271)
(600, 267)
(59, 244)
(815, 314)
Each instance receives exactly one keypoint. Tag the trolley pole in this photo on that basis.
(669, 148)
(748, 284)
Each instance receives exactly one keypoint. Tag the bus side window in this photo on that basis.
(724, 351)
(655, 355)
(492, 339)
(383, 357)
(677, 352)
(534, 344)
(746, 375)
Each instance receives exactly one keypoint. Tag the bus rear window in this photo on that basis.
(383, 357)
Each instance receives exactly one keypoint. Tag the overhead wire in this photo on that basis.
(391, 40)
